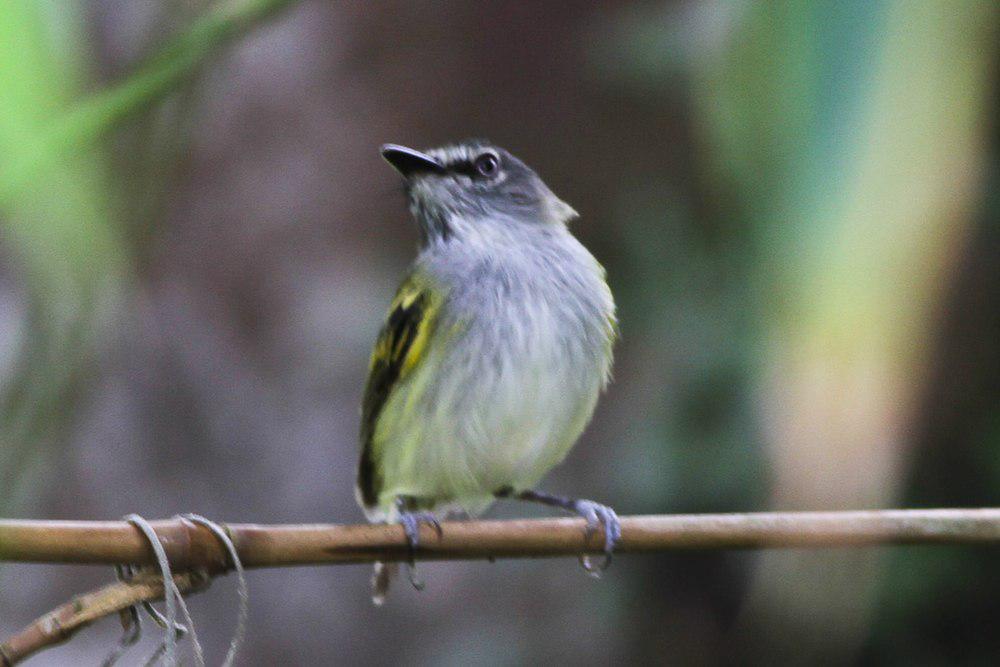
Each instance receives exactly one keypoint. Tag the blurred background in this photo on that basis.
(798, 207)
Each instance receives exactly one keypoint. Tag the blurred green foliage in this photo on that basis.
(844, 144)
(58, 226)
(59, 205)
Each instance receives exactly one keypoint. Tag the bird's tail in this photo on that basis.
(381, 578)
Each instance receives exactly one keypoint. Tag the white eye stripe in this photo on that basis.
(461, 153)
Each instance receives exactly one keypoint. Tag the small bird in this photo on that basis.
(493, 353)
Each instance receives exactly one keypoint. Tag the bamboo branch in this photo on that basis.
(196, 555)
(62, 623)
(189, 545)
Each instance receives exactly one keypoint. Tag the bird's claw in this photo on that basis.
(411, 526)
(598, 515)
(410, 521)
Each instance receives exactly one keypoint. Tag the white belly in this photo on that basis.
(510, 409)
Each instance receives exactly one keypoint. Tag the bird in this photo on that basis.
(493, 353)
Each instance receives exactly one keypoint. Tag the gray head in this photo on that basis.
(472, 188)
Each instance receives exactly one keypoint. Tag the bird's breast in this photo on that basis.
(520, 354)
(532, 355)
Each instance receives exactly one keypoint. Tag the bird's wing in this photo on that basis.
(401, 346)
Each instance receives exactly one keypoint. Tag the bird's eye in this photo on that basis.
(487, 165)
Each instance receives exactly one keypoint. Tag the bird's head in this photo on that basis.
(472, 188)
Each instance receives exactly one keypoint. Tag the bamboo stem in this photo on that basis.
(60, 624)
(196, 555)
(189, 545)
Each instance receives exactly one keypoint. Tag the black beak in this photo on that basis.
(409, 162)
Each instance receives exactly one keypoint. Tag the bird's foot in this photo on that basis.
(410, 521)
(598, 515)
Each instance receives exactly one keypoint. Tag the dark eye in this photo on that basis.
(487, 165)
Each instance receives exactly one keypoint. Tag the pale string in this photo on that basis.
(167, 651)
(242, 588)
(199, 656)
(169, 622)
